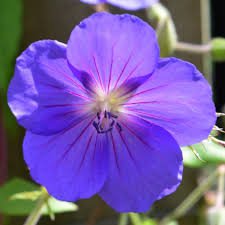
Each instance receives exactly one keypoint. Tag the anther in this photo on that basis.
(98, 115)
(105, 114)
(119, 127)
(106, 123)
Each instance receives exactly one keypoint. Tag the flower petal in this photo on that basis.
(93, 1)
(178, 98)
(112, 49)
(71, 164)
(125, 4)
(44, 95)
(132, 4)
(145, 165)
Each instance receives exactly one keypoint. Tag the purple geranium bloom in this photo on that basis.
(105, 115)
(125, 4)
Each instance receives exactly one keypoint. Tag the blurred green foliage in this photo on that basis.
(10, 33)
(218, 49)
(11, 12)
(18, 197)
(203, 154)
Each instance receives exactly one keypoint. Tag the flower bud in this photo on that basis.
(218, 49)
(166, 30)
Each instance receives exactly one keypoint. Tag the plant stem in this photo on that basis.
(3, 154)
(123, 220)
(221, 186)
(102, 7)
(192, 48)
(206, 37)
(191, 199)
(135, 218)
(35, 215)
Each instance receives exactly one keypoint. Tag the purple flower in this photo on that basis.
(125, 4)
(105, 115)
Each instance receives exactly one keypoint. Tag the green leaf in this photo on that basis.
(166, 30)
(16, 207)
(208, 151)
(172, 223)
(19, 197)
(218, 49)
(149, 222)
(11, 12)
(216, 215)
(31, 195)
(57, 206)
(10, 33)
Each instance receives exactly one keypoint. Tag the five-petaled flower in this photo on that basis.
(125, 4)
(105, 115)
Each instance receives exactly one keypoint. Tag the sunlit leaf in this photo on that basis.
(57, 206)
(30, 195)
(11, 14)
(209, 151)
(10, 33)
(215, 215)
(19, 197)
(16, 207)
(149, 222)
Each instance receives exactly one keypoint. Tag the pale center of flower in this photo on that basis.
(107, 108)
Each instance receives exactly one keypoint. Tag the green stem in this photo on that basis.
(35, 215)
(135, 218)
(191, 199)
(193, 48)
(102, 7)
(206, 37)
(221, 186)
(123, 220)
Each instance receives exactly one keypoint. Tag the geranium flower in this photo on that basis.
(125, 4)
(105, 115)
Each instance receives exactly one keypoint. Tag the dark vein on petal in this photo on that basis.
(126, 145)
(132, 132)
(75, 124)
(111, 66)
(65, 75)
(132, 72)
(99, 77)
(67, 91)
(63, 105)
(151, 115)
(125, 66)
(114, 152)
(86, 150)
(136, 103)
(78, 137)
(151, 89)
(96, 139)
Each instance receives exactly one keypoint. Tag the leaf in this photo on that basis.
(149, 222)
(10, 32)
(10, 35)
(218, 49)
(31, 195)
(209, 151)
(172, 223)
(57, 206)
(19, 197)
(16, 207)
(166, 30)
(216, 215)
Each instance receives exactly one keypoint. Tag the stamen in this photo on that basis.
(105, 114)
(98, 115)
(106, 123)
(119, 127)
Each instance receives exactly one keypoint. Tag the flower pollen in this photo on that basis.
(107, 108)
